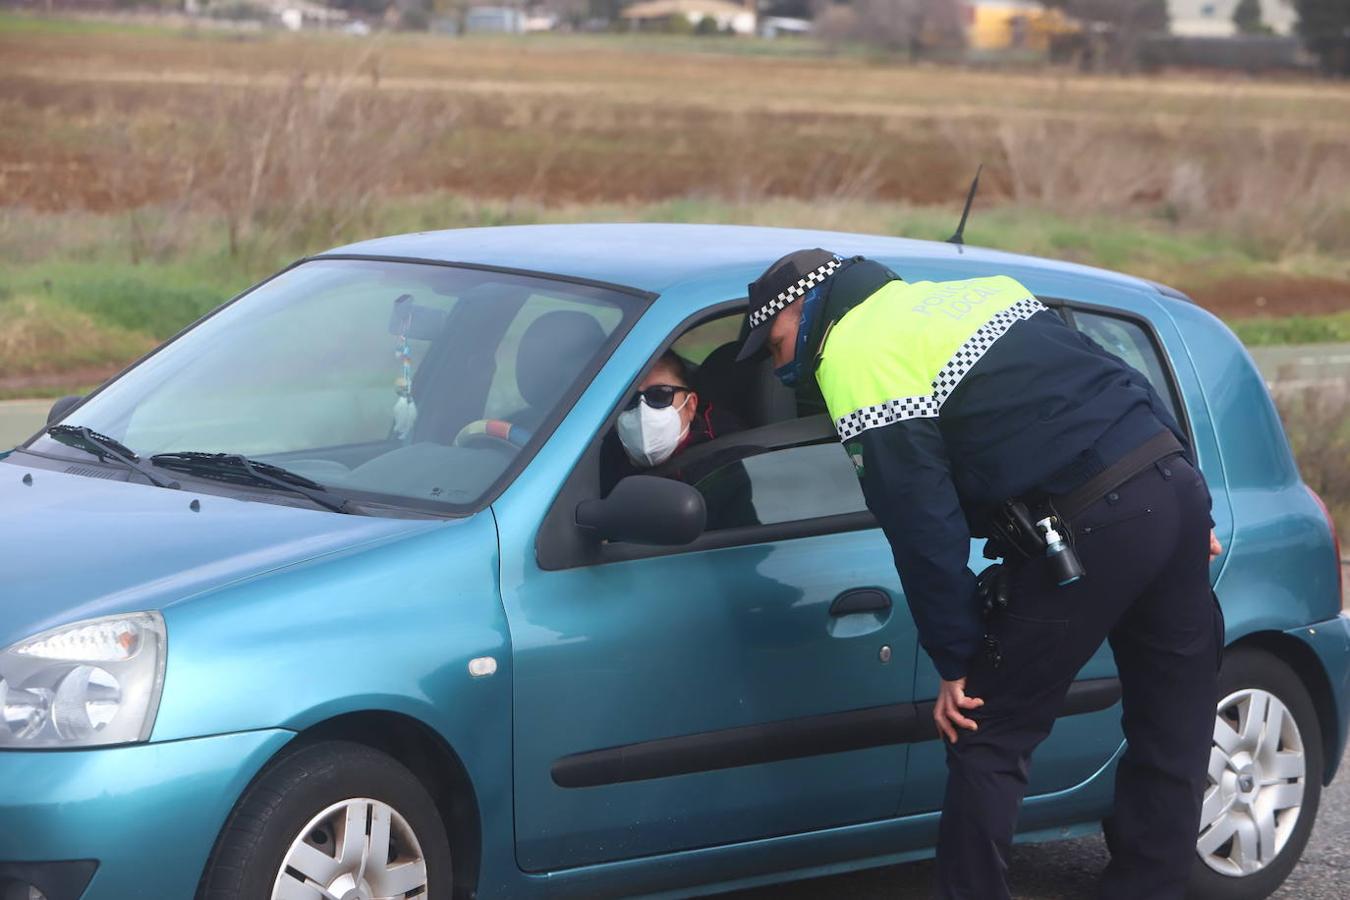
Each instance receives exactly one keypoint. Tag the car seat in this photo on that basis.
(749, 390)
(552, 352)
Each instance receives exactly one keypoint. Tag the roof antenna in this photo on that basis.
(959, 236)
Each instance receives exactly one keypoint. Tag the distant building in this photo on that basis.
(295, 15)
(494, 20)
(777, 26)
(538, 20)
(292, 15)
(1214, 18)
(1013, 25)
(728, 16)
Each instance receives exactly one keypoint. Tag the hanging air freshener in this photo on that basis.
(405, 409)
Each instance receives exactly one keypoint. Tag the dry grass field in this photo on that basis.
(182, 164)
(148, 173)
(111, 120)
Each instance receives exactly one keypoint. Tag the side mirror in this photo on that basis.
(643, 509)
(61, 407)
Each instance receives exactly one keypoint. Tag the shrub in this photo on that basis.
(142, 306)
(414, 19)
(1317, 421)
(678, 23)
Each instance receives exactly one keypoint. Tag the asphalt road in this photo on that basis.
(1066, 870)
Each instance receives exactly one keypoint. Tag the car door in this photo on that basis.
(751, 684)
(1088, 732)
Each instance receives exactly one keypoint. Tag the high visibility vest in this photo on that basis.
(902, 352)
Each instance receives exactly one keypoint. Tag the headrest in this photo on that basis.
(553, 351)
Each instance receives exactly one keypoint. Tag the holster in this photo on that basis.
(1014, 532)
(992, 588)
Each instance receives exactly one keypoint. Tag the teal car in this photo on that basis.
(336, 595)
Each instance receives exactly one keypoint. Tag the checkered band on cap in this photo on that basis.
(946, 380)
(793, 292)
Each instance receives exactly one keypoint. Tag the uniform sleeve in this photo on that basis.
(906, 481)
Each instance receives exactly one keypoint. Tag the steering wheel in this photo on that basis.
(495, 434)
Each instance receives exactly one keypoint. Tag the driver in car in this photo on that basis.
(665, 417)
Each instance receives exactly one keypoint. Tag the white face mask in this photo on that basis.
(650, 436)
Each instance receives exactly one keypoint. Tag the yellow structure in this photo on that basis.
(1013, 25)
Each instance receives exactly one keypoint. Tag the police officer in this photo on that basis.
(970, 409)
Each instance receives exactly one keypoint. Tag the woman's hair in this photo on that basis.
(677, 366)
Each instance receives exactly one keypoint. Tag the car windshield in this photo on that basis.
(405, 383)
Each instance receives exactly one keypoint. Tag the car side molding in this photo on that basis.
(748, 745)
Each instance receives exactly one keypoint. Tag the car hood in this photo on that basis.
(74, 547)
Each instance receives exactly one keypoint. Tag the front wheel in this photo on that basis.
(1265, 780)
(332, 820)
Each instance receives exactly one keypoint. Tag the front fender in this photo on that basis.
(389, 628)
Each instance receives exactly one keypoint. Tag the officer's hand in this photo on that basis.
(950, 701)
(1215, 548)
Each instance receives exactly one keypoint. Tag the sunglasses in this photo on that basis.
(658, 396)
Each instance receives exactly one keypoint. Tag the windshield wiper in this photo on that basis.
(104, 447)
(234, 468)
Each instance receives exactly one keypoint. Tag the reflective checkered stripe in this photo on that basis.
(858, 421)
(948, 377)
(969, 353)
(793, 292)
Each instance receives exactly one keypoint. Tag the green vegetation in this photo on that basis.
(1317, 423)
(137, 199)
(45, 392)
(1334, 328)
(28, 24)
(60, 316)
(74, 300)
(1325, 28)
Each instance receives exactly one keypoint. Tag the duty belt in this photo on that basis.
(1012, 525)
(1160, 446)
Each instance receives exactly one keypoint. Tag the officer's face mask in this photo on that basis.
(650, 436)
(790, 372)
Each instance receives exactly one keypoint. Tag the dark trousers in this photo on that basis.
(1145, 548)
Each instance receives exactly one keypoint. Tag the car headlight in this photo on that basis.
(86, 684)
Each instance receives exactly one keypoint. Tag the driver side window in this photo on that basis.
(775, 468)
(793, 484)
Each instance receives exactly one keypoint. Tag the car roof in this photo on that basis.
(660, 257)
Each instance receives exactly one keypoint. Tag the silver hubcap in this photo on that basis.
(359, 849)
(1256, 782)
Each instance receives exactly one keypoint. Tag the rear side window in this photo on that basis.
(696, 343)
(1130, 342)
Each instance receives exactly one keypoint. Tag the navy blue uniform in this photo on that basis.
(954, 397)
(1045, 409)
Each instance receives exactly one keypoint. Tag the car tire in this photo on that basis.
(1264, 788)
(308, 796)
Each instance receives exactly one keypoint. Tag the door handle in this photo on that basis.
(861, 600)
